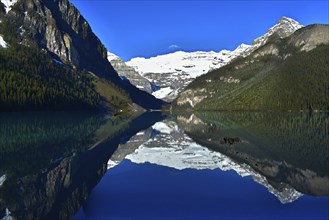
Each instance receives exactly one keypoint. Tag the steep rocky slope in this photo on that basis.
(57, 27)
(129, 73)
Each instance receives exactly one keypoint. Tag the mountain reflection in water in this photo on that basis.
(51, 161)
(199, 156)
(185, 166)
(288, 149)
(199, 144)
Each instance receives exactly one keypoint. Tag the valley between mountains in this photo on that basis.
(51, 60)
(229, 134)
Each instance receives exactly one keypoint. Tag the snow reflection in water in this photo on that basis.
(165, 144)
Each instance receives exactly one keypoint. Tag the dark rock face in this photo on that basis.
(55, 193)
(58, 188)
(58, 27)
(230, 140)
(310, 37)
(130, 73)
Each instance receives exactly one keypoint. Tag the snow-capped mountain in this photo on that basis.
(174, 71)
(284, 28)
(128, 72)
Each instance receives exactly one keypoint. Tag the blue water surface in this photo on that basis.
(148, 191)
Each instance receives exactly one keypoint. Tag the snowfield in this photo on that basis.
(174, 71)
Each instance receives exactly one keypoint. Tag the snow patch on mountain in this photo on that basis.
(162, 93)
(176, 70)
(112, 56)
(3, 42)
(284, 28)
(8, 4)
(111, 164)
(185, 64)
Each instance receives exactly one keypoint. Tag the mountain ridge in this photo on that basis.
(283, 74)
(174, 71)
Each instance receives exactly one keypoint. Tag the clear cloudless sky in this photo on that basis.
(149, 28)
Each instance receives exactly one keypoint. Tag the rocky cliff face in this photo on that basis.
(58, 27)
(310, 37)
(129, 73)
(55, 193)
(284, 28)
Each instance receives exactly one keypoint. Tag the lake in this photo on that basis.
(237, 165)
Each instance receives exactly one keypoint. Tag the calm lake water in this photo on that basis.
(200, 166)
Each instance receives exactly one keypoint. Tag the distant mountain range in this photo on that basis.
(173, 72)
(51, 60)
(285, 69)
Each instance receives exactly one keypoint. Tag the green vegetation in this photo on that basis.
(288, 81)
(31, 80)
(112, 96)
(51, 154)
(12, 24)
(299, 139)
(30, 142)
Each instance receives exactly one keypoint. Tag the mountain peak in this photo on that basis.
(287, 19)
(288, 23)
(284, 28)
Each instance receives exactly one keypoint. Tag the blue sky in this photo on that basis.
(149, 28)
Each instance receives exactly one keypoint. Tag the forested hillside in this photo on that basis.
(31, 80)
(52, 60)
(299, 83)
(282, 75)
